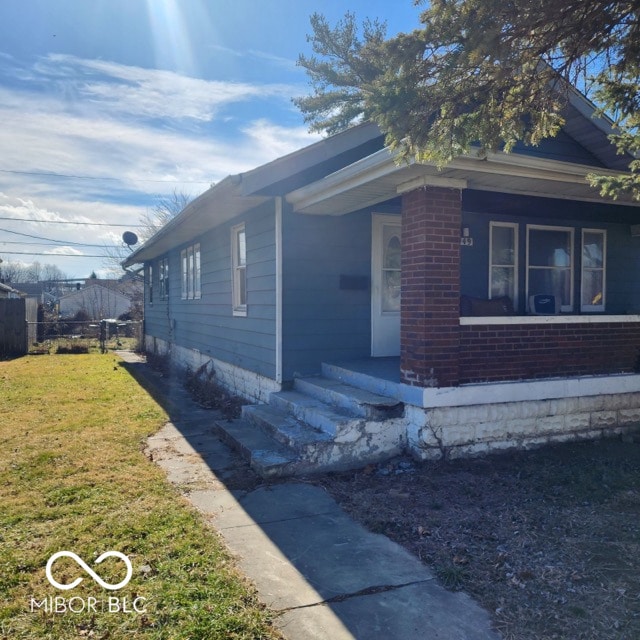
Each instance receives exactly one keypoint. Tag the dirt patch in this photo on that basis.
(547, 541)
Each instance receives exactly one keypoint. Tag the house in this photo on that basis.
(370, 307)
(9, 292)
(99, 299)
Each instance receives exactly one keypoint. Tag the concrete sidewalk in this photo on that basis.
(325, 576)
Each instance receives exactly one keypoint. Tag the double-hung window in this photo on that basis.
(503, 256)
(190, 272)
(550, 264)
(150, 283)
(594, 251)
(163, 278)
(239, 270)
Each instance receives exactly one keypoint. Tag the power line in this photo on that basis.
(47, 244)
(77, 177)
(88, 224)
(54, 255)
(63, 242)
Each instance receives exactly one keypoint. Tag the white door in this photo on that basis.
(385, 285)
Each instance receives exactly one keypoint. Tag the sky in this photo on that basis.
(108, 106)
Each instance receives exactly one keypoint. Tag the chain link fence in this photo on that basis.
(71, 336)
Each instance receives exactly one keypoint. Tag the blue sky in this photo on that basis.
(107, 105)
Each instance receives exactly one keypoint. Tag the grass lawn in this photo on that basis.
(73, 477)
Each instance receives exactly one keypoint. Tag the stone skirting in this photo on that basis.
(241, 382)
(450, 432)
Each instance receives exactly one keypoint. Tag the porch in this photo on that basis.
(359, 412)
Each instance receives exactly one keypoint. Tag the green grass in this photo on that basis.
(73, 477)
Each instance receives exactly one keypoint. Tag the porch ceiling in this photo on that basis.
(380, 177)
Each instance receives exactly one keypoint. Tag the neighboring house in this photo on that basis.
(44, 293)
(98, 301)
(375, 307)
(9, 292)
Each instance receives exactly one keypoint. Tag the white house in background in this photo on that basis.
(97, 301)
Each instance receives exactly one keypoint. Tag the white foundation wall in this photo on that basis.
(434, 433)
(461, 421)
(241, 382)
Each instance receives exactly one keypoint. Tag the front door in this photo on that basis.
(385, 285)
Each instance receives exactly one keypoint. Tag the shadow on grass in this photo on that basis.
(355, 584)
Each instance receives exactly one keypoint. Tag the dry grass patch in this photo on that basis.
(547, 541)
(73, 477)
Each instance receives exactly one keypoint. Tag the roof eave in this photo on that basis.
(380, 177)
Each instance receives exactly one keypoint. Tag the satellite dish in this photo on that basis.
(129, 238)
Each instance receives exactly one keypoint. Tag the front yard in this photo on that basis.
(73, 478)
(547, 541)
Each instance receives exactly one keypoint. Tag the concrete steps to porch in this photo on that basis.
(322, 424)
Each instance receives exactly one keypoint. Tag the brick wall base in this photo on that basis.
(532, 351)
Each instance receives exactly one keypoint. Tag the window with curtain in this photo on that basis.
(550, 264)
(503, 267)
(594, 248)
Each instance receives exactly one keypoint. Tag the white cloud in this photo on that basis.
(140, 133)
(152, 93)
(273, 141)
(63, 251)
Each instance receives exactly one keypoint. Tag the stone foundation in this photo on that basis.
(450, 432)
(241, 382)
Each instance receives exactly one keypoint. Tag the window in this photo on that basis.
(150, 283)
(550, 264)
(190, 272)
(239, 270)
(163, 278)
(594, 250)
(503, 257)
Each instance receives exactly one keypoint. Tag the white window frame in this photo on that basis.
(567, 308)
(190, 273)
(594, 308)
(184, 274)
(515, 267)
(197, 277)
(150, 283)
(163, 278)
(238, 271)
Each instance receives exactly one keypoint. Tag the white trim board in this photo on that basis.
(557, 319)
(555, 388)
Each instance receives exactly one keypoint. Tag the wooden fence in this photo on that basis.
(18, 321)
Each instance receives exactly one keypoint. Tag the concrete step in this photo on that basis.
(369, 382)
(359, 402)
(321, 425)
(314, 412)
(266, 456)
(285, 428)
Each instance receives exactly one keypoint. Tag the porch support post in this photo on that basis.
(430, 311)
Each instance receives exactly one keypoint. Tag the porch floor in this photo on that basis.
(377, 375)
(383, 368)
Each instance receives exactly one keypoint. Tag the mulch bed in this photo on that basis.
(548, 541)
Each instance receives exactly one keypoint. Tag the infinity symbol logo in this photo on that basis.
(89, 570)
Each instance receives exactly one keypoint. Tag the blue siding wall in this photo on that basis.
(623, 250)
(561, 147)
(324, 317)
(207, 324)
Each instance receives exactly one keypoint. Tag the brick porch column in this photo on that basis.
(430, 311)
